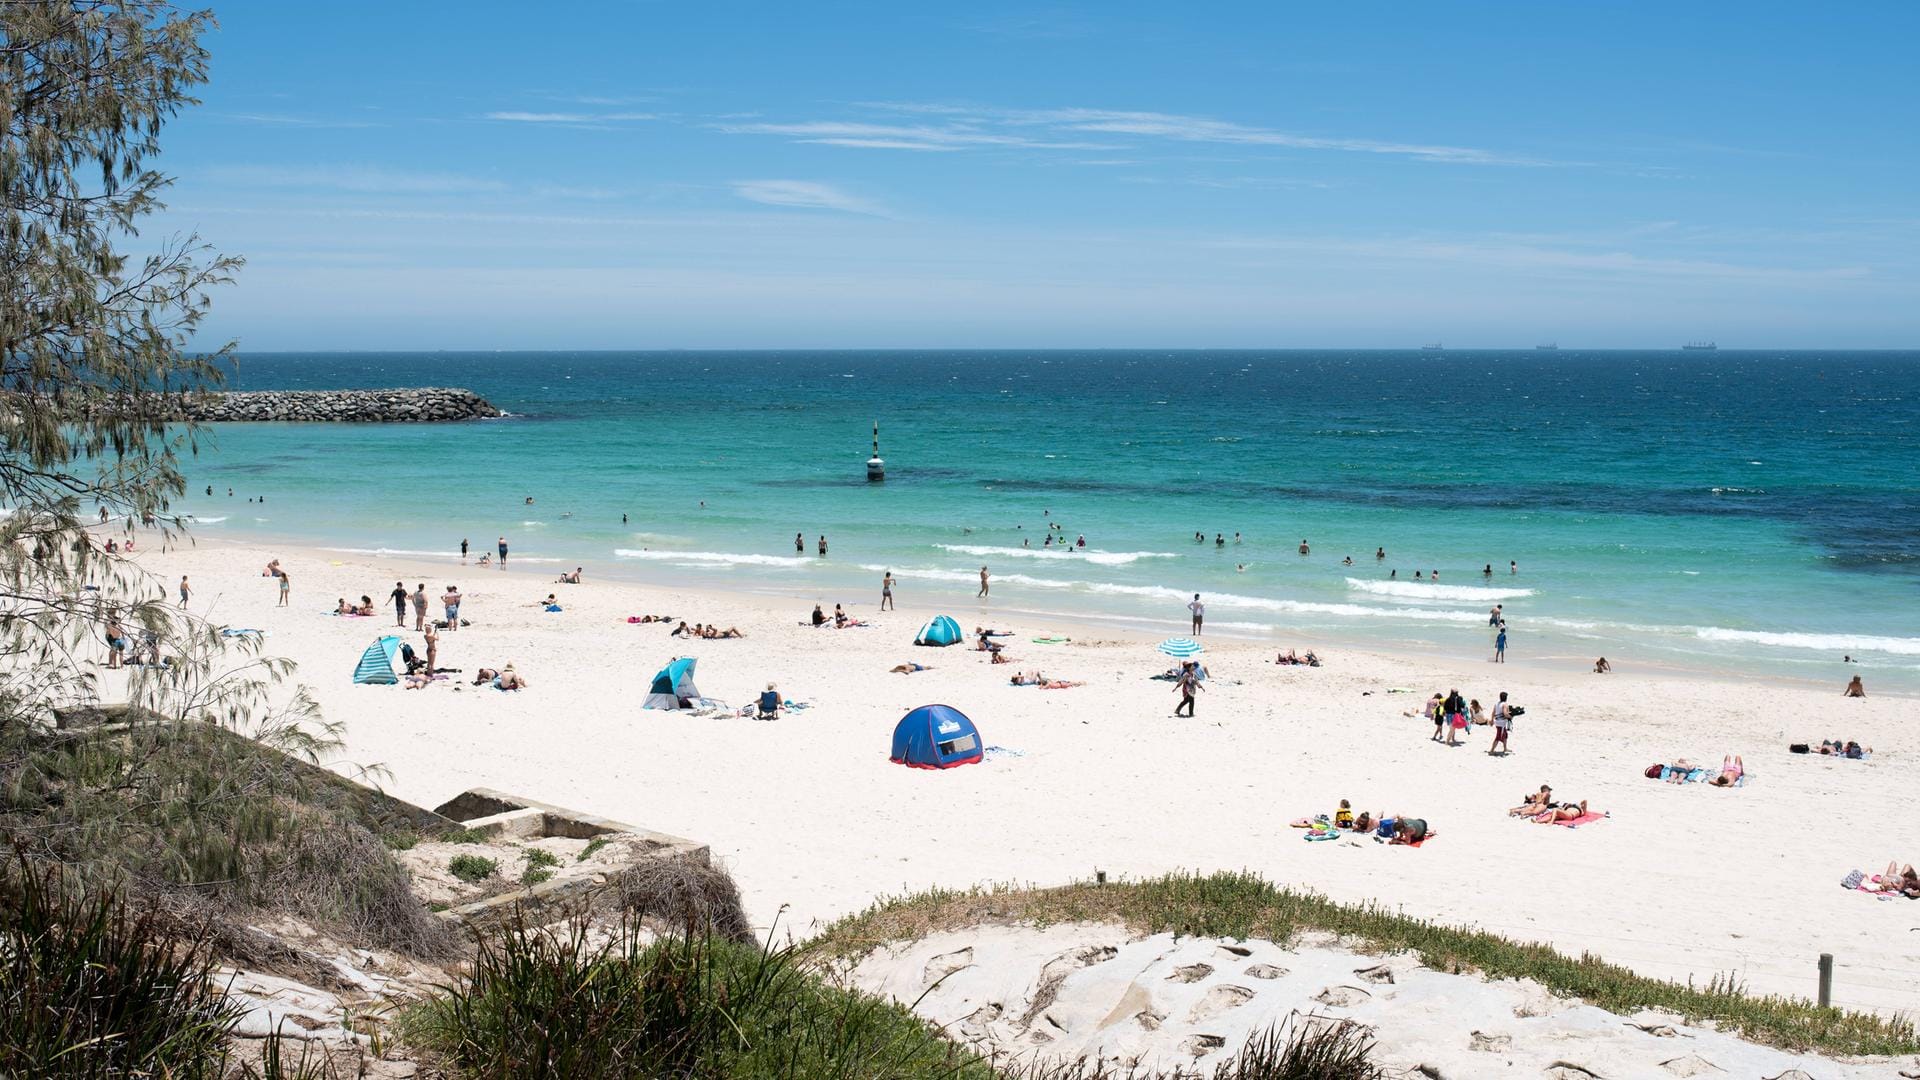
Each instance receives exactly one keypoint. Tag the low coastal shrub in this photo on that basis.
(1311, 1048)
(1243, 905)
(539, 866)
(472, 868)
(569, 1001)
(593, 846)
(90, 989)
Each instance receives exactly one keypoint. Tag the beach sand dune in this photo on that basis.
(1679, 882)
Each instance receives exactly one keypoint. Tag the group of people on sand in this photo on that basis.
(1040, 680)
(1682, 771)
(1452, 714)
(1543, 809)
(707, 632)
(1897, 881)
(1387, 828)
(1293, 659)
(839, 620)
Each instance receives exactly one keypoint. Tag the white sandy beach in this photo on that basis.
(1680, 882)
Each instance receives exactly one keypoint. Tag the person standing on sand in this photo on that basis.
(186, 591)
(1199, 613)
(433, 648)
(503, 553)
(420, 606)
(399, 598)
(285, 586)
(1500, 645)
(450, 600)
(1187, 686)
(463, 549)
(886, 591)
(1502, 726)
(983, 581)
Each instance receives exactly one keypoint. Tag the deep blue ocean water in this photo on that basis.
(1742, 511)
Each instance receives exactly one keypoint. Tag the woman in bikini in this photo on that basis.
(1731, 770)
(1534, 803)
(1564, 812)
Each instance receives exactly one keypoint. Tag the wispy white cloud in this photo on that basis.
(946, 138)
(288, 120)
(577, 119)
(805, 193)
(1507, 253)
(357, 178)
(970, 127)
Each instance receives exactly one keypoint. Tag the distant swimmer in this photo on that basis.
(529, 500)
(1392, 574)
(1348, 561)
(1303, 547)
(1488, 572)
(1435, 576)
(1494, 616)
(1219, 541)
(1419, 576)
(823, 543)
(983, 581)
(1199, 538)
(1236, 538)
(1379, 553)
(623, 519)
(1082, 542)
(1513, 567)
(799, 543)
(1848, 660)
(1242, 567)
(209, 489)
(1049, 541)
(1025, 543)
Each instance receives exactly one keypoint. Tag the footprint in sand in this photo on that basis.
(1492, 1044)
(946, 964)
(1200, 1046)
(1567, 1070)
(1219, 1000)
(1691, 1065)
(1265, 971)
(1150, 1020)
(1342, 997)
(1190, 973)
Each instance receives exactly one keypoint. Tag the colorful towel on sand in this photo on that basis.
(1583, 819)
(1050, 640)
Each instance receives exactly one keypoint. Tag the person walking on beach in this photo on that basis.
(186, 591)
(1187, 686)
(1493, 617)
(1199, 613)
(983, 581)
(399, 598)
(285, 587)
(1500, 645)
(503, 553)
(886, 591)
(1454, 710)
(420, 606)
(463, 549)
(450, 600)
(1502, 726)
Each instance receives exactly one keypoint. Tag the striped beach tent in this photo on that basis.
(376, 664)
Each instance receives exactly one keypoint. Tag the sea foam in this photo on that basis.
(1840, 643)
(1062, 552)
(1420, 590)
(711, 558)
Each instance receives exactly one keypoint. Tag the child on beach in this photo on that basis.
(1343, 817)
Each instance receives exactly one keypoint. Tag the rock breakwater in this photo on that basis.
(433, 404)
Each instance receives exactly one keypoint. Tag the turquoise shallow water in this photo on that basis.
(1755, 512)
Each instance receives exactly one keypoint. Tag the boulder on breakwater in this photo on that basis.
(422, 405)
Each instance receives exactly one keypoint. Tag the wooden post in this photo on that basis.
(1826, 980)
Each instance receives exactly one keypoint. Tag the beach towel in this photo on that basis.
(241, 631)
(1050, 640)
(1004, 751)
(1583, 819)
(553, 607)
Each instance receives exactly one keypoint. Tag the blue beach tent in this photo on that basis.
(376, 664)
(936, 737)
(942, 630)
(673, 687)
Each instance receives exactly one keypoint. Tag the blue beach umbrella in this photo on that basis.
(1182, 647)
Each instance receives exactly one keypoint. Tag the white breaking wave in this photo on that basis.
(394, 551)
(711, 558)
(1062, 552)
(533, 524)
(198, 520)
(1840, 643)
(1420, 590)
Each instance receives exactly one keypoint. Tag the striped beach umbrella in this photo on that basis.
(1182, 646)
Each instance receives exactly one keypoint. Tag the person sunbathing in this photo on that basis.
(909, 668)
(1363, 822)
(366, 606)
(417, 680)
(343, 608)
(509, 679)
(983, 645)
(1563, 812)
(1534, 803)
(1408, 830)
(1902, 880)
(1000, 658)
(1310, 660)
(683, 630)
(1021, 678)
(1731, 770)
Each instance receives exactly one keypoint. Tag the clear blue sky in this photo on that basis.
(642, 175)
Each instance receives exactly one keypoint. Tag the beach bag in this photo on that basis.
(1799, 748)
(1459, 721)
